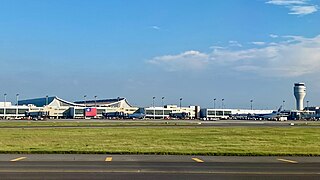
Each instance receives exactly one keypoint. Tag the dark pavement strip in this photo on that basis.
(53, 166)
(157, 158)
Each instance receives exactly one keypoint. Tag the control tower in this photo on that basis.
(299, 91)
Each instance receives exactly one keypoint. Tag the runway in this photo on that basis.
(28, 166)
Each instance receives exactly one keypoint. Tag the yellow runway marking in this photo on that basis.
(286, 160)
(198, 160)
(17, 159)
(108, 159)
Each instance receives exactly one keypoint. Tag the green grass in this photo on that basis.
(145, 140)
(88, 123)
(309, 124)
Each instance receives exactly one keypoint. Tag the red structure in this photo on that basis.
(90, 112)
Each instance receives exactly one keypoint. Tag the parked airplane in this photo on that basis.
(274, 115)
(137, 115)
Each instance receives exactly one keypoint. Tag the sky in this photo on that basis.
(198, 50)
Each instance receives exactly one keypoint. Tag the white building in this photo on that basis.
(227, 113)
(55, 107)
(9, 111)
(172, 111)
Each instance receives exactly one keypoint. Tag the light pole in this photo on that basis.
(85, 106)
(214, 103)
(222, 103)
(154, 109)
(162, 107)
(307, 105)
(17, 96)
(95, 101)
(47, 100)
(283, 103)
(251, 104)
(180, 103)
(5, 102)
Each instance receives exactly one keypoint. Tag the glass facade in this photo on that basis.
(79, 111)
(211, 113)
(158, 112)
(22, 111)
(219, 113)
(11, 111)
(100, 111)
(227, 113)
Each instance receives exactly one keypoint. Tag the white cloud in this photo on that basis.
(155, 28)
(235, 44)
(260, 43)
(286, 2)
(296, 7)
(295, 56)
(303, 10)
(217, 47)
(273, 35)
(282, 60)
(193, 60)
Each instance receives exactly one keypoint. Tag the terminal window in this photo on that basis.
(11, 111)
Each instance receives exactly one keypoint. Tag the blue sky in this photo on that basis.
(199, 50)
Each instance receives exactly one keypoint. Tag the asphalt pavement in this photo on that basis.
(71, 166)
(173, 123)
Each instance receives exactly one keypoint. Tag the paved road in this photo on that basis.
(24, 166)
(178, 123)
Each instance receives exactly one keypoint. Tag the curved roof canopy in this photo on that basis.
(51, 101)
(56, 101)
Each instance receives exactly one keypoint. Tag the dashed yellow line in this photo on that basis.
(17, 159)
(198, 160)
(108, 159)
(289, 161)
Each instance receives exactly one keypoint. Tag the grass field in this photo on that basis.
(162, 140)
(89, 124)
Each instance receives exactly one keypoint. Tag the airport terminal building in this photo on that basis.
(214, 114)
(56, 108)
(172, 111)
(7, 110)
